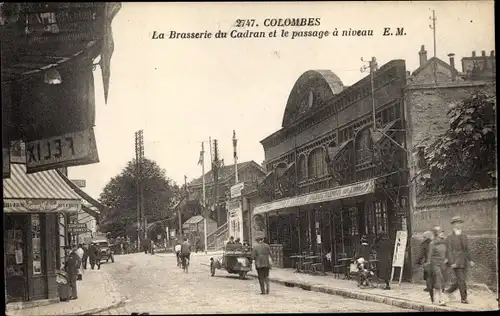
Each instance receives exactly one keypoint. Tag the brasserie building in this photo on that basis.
(332, 176)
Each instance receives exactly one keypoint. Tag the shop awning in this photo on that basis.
(40, 192)
(356, 189)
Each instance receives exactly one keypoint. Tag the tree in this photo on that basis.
(120, 195)
(464, 158)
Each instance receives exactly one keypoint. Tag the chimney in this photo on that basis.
(452, 64)
(473, 53)
(423, 55)
(483, 53)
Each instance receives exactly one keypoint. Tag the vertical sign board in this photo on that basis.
(5, 163)
(73, 149)
(398, 259)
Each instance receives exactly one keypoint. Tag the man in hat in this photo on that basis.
(459, 259)
(261, 254)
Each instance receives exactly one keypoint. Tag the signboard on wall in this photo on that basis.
(77, 228)
(73, 149)
(236, 189)
(80, 183)
(357, 189)
(41, 206)
(5, 163)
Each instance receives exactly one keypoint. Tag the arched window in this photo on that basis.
(316, 164)
(363, 146)
(302, 168)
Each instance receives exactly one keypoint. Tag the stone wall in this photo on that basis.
(479, 211)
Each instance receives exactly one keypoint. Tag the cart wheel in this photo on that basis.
(212, 269)
(243, 274)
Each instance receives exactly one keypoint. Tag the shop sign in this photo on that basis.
(6, 163)
(73, 149)
(79, 183)
(236, 189)
(41, 206)
(233, 205)
(357, 189)
(77, 228)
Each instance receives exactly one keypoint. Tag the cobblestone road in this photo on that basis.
(155, 285)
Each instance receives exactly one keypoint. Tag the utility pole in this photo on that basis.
(235, 142)
(180, 215)
(372, 66)
(433, 18)
(204, 206)
(215, 172)
(139, 155)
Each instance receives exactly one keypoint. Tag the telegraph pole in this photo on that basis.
(204, 206)
(139, 155)
(433, 18)
(180, 215)
(372, 66)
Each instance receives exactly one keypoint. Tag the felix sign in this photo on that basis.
(71, 149)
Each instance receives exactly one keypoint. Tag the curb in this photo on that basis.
(388, 300)
(94, 311)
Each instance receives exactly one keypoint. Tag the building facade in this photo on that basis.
(431, 89)
(331, 177)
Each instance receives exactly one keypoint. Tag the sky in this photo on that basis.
(181, 92)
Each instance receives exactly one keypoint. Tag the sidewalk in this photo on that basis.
(96, 292)
(410, 296)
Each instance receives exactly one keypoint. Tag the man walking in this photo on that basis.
(85, 256)
(71, 267)
(261, 254)
(458, 256)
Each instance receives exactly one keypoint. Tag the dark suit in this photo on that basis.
(72, 271)
(261, 253)
(457, 252)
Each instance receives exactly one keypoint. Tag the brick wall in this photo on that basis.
(479, 211)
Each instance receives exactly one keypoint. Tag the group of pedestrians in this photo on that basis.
(438, 253)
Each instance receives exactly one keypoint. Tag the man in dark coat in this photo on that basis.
(458, 255)
(261, 254)
(94, 256)
(384, 250)
(71, 267)
(422, 256)
(85, 256)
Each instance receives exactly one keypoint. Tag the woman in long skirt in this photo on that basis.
(436, 266)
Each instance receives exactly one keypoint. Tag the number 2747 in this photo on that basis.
(245, 22)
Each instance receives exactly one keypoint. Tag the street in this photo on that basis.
(154, 284)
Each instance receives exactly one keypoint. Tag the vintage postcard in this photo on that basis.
(249, 157)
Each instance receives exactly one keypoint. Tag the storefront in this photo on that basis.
(32, 206)
(333, 173)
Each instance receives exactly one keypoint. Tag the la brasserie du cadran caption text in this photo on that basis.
(291, 28)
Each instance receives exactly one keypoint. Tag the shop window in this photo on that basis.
(317, 163)
(35, 244)
(15, 246)
(381, 216)
(302, 168)
(363, 147)
(353, 229)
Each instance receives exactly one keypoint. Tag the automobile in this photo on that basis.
(105, 249)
